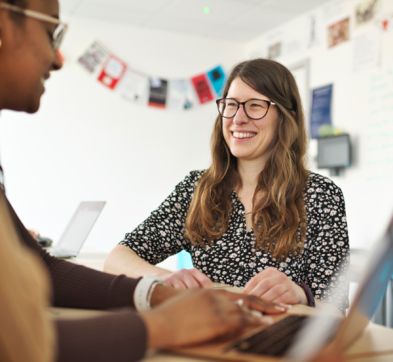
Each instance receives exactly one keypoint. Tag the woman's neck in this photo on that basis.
(249, 172)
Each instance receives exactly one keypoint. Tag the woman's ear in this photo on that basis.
(294, 114)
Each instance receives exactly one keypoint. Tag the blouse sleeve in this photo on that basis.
(162, 233)
(327, 243)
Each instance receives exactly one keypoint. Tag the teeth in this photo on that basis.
(243, 135)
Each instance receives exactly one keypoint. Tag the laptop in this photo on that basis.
(77, 230)
(298, 337)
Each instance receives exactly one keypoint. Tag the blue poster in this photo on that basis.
(321, 109)
(217, 79)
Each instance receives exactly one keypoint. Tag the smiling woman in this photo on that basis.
(256, 218)
(27, 44)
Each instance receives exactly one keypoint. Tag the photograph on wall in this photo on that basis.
(202, 88)
(158, 92)
(365, 12)
(321, 109)
(338, 33)
(113, 71)
(274, 51)
(133, 87)
(181, 96)
(93, 57)
(217, 79)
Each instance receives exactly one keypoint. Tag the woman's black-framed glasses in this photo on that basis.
(253, 108)
(60, 30)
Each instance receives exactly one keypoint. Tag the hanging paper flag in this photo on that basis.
(202, 88)
(113, 71)
(133, 87)
(158, 92)
(217, 78)
(180, 94)
(93, 57)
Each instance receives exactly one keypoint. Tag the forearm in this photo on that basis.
(119, 336)
(122, 260)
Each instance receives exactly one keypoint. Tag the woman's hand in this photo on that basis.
(188, 279)
(195, 316)
(274, 286)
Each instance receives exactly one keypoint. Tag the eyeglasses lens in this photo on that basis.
(254, 108)
(58, 36)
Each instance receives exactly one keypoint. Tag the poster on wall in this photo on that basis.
(217, 79)
(158, 92)
(321, 109)
(93, 57)
(202, 88)
(113, 71)
(338, 33)
(133, 87)
(365, 12)
(180, 94)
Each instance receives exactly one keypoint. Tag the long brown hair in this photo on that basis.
(276, 216)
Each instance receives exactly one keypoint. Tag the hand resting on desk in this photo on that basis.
(274, 286)
(195, 316)
(188, 279)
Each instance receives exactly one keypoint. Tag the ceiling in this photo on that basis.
(235, 20)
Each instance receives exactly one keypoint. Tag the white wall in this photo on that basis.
(362, 107)
(86, 143)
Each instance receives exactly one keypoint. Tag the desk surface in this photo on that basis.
(374, 345)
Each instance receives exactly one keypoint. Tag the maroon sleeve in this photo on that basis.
(116, 337)
(76, 286)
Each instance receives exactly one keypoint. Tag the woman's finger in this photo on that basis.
(175, 282)
(188, 279)
(274, 292)
(201, 278)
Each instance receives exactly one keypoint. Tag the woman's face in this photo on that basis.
(249, 139)
(26, 57)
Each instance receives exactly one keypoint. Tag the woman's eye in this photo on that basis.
(255, 105)
(50, 35)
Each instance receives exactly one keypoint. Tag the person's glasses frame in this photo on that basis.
(61, 28)
(221, 100)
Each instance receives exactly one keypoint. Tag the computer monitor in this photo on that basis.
(334, 152)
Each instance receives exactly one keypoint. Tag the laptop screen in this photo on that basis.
(80, 225)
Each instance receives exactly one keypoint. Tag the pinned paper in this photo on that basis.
(93, 57)
(202, 88)
(274, 50)
(113, 71)
(158, 92)
(384, 22)
(180, 94)
(217, 79)
(133, 87)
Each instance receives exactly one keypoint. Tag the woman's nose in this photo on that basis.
(240, 116)
(57, 61)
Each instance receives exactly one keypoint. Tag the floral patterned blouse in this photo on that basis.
(232, 259)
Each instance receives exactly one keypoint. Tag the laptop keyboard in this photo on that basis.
(274, 340)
